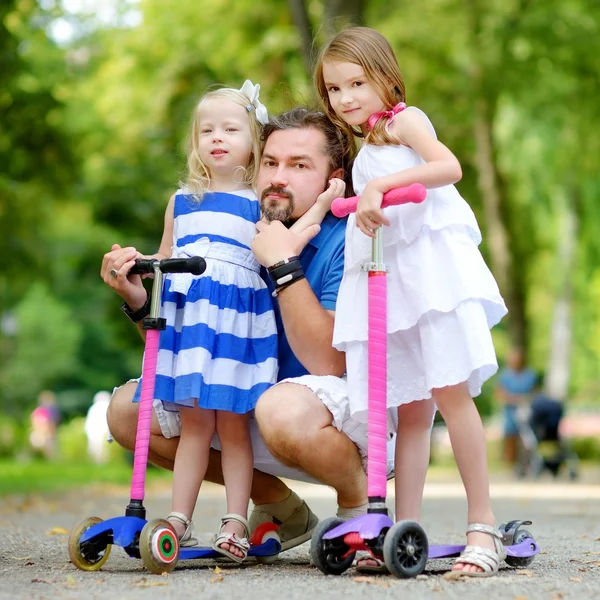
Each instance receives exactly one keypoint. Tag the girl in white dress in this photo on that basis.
(442, 298)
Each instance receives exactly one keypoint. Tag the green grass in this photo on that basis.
(42, 476)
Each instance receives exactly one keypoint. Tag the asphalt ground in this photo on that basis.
(566, 524)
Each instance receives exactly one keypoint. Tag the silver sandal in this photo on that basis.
(224, 537)
(186, 540)
(486, 559)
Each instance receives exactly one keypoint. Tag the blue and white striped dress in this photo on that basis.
(220, 344)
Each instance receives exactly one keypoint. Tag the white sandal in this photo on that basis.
(486, 559)
(224, 537)
(186, 540)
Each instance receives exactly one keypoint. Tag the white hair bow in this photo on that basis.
(252, 91)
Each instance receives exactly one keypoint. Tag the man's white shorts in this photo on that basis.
(333, 393)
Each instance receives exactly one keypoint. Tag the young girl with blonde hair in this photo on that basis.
(442, 298)
(218, 353)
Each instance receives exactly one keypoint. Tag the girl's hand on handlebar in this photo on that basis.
(369, 214)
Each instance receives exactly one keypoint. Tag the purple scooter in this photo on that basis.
(403, 546)
(155, 542)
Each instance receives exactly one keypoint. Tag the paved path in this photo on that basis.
(34, 561)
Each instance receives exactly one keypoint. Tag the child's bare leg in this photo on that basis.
(468, 444)
(413, 444)
(191, 460)
(238, 463)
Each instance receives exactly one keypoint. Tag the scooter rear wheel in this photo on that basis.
(520, 561)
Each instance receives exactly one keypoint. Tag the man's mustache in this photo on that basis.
(275, 190)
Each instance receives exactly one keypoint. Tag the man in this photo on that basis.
(304, 420)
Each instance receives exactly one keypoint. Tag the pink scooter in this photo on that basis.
(403, 546)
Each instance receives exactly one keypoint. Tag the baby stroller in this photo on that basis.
(543, 447)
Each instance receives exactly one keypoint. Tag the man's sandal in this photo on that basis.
(486, 559)
(225, 537)
(186, 540)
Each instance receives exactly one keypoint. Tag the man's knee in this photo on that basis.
(290, 411)
(122, 415)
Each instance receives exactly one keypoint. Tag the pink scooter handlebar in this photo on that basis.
(415, 193)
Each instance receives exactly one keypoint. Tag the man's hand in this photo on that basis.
(130, 288)
(369, 214)
(275, 242)
(336, 189)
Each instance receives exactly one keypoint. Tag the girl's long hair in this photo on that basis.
(198, 179)
(369, 49)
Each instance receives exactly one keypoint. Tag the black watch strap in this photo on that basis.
(137, 315)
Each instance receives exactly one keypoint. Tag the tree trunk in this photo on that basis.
(302, 22)
(508, 272)
(342, 13)
(559, 360)
(337, 14)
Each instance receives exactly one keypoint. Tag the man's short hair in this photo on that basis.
(305, 118)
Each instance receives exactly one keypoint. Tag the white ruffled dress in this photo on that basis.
(442, 298)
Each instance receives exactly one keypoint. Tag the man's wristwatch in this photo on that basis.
(135, 316)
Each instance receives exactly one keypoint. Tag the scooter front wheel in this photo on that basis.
(91, 555)
(263, 533)
(330, 556)
(406, 549)
(159, 546)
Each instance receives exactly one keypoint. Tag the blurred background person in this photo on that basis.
(516, 382)
(44, 423)
(96, 428)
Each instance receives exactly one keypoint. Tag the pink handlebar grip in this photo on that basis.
(414, 193)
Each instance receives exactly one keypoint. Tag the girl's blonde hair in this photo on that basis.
(198, 178)
(369, 49)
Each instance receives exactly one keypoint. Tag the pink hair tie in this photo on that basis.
(374, 118)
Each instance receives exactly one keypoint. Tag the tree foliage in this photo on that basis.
(92, 140)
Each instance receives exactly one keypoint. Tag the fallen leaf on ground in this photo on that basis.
(558, 596)
(422, 578)
(373, 580)
(526, 572)
(217, 570)
(36, 580)
(436, 588)
(144, 583)
(454, 575)
(575, 579)
(217, 579)
(58, 531)
(591, 552)
(20, 557)
(71, 581)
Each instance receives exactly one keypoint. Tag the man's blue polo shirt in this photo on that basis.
(323, 262)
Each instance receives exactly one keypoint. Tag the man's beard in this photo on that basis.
(272, 209)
